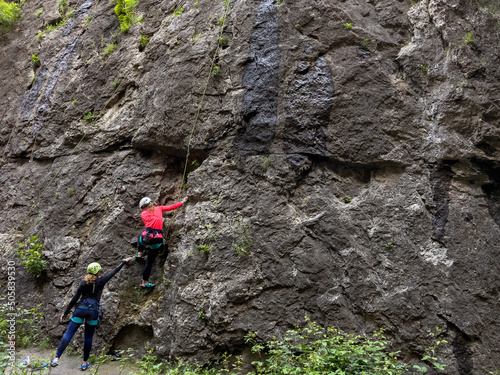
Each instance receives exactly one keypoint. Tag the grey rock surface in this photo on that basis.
(344, 166)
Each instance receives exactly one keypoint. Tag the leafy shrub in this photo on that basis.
(9, 13)
(125, 10)
(31, 256)
(28, 322)
(317, 350)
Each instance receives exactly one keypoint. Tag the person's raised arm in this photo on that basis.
(109, 275)
(174, 206)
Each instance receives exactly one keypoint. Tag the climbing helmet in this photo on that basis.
(93, 268)
(144, 202)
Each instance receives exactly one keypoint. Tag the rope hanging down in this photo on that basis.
(222, 26)
(227, 12)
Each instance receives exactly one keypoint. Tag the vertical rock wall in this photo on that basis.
(344, 167)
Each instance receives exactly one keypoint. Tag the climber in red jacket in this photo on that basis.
(152, 237)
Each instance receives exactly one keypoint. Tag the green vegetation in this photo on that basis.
(366, 43)
(204, 248)
(30, 254)
(389, 246)
(39, 36)
(347, 199)
(66, 16)
(143, 42)
(27, 327)
(125, 10)
(215, 70)
(109, 49)
(223, 41)
(348, 25)
(178, 11)
(430, 353)
(265, 163)
(245, 240)
(71, 192)
(469, 39)
(63, 7)
(88, 20)
(196, 37)
(9, 13)
(279, 2)
(28, 322)
(424, 68)
(35, 61)
(318, 350)
(207, 237)
(90, 117)
(38, 12)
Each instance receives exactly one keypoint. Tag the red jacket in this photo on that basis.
(154, 219)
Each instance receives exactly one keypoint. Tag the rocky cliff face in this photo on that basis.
(344, 166)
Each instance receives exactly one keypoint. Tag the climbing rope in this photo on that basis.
(227, 11)
(226, 14)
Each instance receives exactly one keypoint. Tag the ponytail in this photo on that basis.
(90, 278)
(152, 206)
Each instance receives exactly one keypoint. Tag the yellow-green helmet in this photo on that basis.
(93, 268)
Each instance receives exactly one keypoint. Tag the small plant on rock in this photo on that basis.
(245, 240)
(389, 246)
(348, 25)
(109, 49)
(178, 11)
(347, 199)
(469, 39)
(30, 254)
(39, 36)
(143, 42)
(35, 61)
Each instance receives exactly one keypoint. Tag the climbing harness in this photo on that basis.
(88, 304)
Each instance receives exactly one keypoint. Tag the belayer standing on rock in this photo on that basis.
(152, 237)
(88, 309)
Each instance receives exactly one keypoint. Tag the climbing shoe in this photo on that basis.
(26, 362)
(148, 285)
(54, 362)
(84, 367)
(39, 367)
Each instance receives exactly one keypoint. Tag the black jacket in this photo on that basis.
(92, 291)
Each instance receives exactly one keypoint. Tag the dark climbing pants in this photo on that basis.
(152, 254)
(87, 315)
